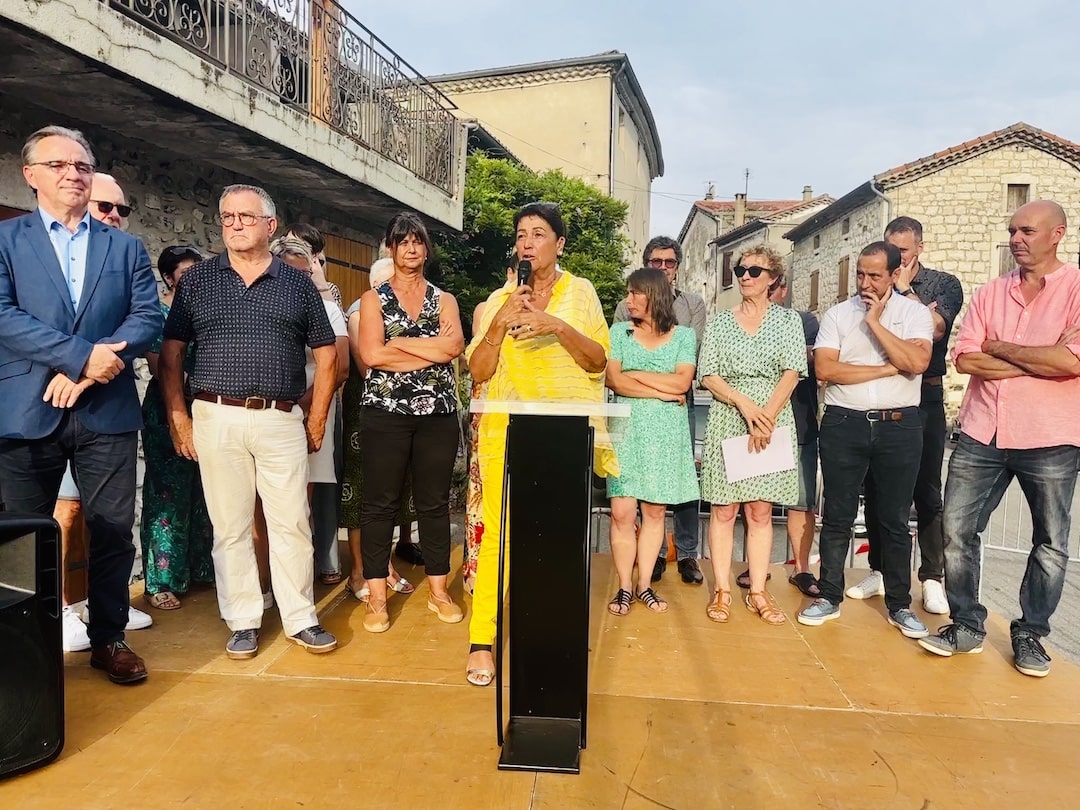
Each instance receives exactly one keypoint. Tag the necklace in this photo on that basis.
(547, 290)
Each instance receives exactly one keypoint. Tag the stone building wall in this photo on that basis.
(964, 209)
(174, 197)
(697, 273)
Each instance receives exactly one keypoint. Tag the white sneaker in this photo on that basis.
(873, 585)
(75, 637)
(933, 598)
(268, 600)
(137, 620)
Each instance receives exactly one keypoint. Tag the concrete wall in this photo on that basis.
(631, 180)
(174, 197)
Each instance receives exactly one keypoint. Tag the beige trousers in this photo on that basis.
(240, 452)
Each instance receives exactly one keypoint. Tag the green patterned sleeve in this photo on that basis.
(793, 344)
(686, 353)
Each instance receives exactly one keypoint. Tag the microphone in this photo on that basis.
(524, 272)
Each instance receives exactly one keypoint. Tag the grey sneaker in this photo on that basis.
(908, 623)
(952, 639)
(1031, 658)
(243, 644)
(315, 640)
(821, 610)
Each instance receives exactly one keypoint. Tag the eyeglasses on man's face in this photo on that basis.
(753, 270)
(61, 166)
(664, 264)
(228, 218)
(106, 208)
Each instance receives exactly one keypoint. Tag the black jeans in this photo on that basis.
(392, 444)
(927, 493)
(853, 449)
(104, 469)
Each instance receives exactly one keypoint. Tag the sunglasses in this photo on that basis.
(106, 208)
(754, 272)
(657, 264)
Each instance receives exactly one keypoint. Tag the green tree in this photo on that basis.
(474, 263)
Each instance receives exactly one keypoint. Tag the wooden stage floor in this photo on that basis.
(684, 713)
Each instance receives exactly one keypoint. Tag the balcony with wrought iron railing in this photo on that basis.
(317, 58)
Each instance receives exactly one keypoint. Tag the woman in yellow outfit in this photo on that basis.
(542, 341)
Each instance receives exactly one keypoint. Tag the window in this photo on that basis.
(845, 225)
(1017, 194)
(726, 281)
(817, 241)
(1006, 262)
(814, 291)
(842, 279)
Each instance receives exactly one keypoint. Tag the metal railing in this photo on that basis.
(1010, 526)
(316, 57)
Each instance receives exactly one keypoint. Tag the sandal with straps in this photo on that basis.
(769, 612)
(719, 609)
(620, 605)
(652, 601)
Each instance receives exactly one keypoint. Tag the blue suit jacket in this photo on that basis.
(41, 333)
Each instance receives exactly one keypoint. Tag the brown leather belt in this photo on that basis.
(935, 381)
(251, 403)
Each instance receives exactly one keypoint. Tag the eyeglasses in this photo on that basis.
(667, 264)
(247, 220)
(106, 208)
(754, 272)
(61, 166)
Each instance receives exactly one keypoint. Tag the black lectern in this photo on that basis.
(547, 493)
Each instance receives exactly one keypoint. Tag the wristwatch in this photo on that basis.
(908, 291)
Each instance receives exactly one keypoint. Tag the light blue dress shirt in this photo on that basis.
(70, 251)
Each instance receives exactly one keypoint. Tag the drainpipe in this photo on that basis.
(888, 204)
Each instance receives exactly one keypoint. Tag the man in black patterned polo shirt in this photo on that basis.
(942, 293)
(250, 316)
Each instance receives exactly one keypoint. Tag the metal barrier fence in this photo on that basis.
(1010, 527)
(317, 58)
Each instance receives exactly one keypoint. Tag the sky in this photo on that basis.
(825, 93)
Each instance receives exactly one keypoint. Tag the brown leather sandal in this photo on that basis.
(769, 612)
(719, 609)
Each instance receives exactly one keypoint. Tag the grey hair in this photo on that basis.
(54, 131)
(290, 245)
(269, 209)
(381, 271)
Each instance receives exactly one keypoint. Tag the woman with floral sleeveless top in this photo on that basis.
(410, 332)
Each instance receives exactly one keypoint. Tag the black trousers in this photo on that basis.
(104, 469)
(391, 445)
(852, 449)
(927, 493)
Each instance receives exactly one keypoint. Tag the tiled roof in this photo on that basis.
(1017, 133)
(728, 206)
(758, 223)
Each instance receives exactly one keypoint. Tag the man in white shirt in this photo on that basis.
(871, 352)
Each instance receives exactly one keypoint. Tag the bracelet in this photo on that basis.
(490, 342)
(908, 291)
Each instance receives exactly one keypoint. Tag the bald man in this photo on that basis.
(1020, 342)
(107, 203)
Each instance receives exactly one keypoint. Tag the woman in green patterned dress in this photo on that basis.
(752, 356)
(650, 368)
(175, 529)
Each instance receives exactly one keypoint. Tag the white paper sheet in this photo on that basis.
(740, 463)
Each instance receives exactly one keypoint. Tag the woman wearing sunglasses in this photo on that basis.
(752, 357)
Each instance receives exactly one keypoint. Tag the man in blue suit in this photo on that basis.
(78, 303)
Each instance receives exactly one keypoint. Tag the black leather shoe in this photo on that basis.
(690, 572)
(658, 569)
(410, 553)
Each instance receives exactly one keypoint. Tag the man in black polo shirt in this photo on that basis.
(250, 316)
(942, 293)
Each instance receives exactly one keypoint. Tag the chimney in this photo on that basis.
(740, 209)
(807, 193)
(710, 192)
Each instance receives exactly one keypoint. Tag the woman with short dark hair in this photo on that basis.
(651, 369)
(410, 333)
(545, 340)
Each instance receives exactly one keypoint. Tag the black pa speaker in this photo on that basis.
(32, 659)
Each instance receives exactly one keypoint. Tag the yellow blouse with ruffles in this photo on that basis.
(539, 369)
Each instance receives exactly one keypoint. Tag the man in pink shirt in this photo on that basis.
(1020, 342)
